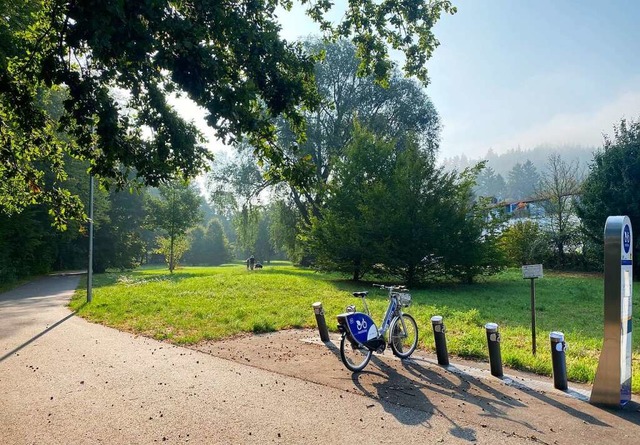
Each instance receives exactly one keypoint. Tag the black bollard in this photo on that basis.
(441, 340)
(322, 325)
(558, 359)
(493, 340)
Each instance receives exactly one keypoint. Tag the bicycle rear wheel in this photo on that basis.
(355, 357)
(403, 337)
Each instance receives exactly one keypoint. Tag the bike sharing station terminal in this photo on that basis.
(612, 385)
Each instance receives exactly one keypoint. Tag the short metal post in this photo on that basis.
(493, 340)
(441, 340)
(322, 325)
(558, 359)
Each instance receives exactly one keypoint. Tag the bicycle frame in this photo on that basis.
(361, 328)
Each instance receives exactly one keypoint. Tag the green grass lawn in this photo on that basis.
(211, 303)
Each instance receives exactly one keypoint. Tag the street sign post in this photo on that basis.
(612, 385)
(532, 272)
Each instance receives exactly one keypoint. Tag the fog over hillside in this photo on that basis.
(504, 162)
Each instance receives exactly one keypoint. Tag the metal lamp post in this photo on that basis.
(90, 266)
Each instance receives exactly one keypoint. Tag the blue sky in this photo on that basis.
(514, 74)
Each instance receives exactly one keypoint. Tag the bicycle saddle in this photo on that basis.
(360, 294)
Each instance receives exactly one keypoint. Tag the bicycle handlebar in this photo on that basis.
(391, 288)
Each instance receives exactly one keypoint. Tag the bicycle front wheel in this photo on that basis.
(355, 357)
(403, 337)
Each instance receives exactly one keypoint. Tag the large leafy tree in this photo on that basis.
(120, 61)
(219, 245)
(173, 213)
(612, 186)
(209, 245)
(399, 111)
(349, 234)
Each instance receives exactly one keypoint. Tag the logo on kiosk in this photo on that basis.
(626, 238)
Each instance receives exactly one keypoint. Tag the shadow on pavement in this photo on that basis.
(386, 382)
(492, 402)
(34, 338)
(394, 389)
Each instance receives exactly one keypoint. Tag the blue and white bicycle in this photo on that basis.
(361, 337)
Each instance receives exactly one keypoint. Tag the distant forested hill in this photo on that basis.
(503, 163)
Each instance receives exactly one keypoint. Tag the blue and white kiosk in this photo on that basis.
(612, 386)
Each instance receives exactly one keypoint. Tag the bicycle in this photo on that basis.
(361, 337)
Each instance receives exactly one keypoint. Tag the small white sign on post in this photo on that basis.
(532, 271)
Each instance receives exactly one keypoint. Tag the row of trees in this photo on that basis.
(130, 229)
(569, 233)
(521, 183)
(324, 147)
(358, 215)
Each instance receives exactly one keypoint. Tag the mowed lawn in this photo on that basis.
(210, 303)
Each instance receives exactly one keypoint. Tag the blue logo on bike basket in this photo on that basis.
(626, 239)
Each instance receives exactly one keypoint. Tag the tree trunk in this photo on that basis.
(171, 265)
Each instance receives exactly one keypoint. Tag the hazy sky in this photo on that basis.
(512, 73)
(515, 73)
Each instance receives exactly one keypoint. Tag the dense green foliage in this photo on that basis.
(33, 246)
(196, 304)
(120, 62)
(490, 184)
(27, 244)
(524, 242)
(392, 209)
(121, 241)
(209, 245)
(613, 184)
(522, 181)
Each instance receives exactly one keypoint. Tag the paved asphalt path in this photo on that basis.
(64, 380)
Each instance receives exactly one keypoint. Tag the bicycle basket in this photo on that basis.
(404, 299)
